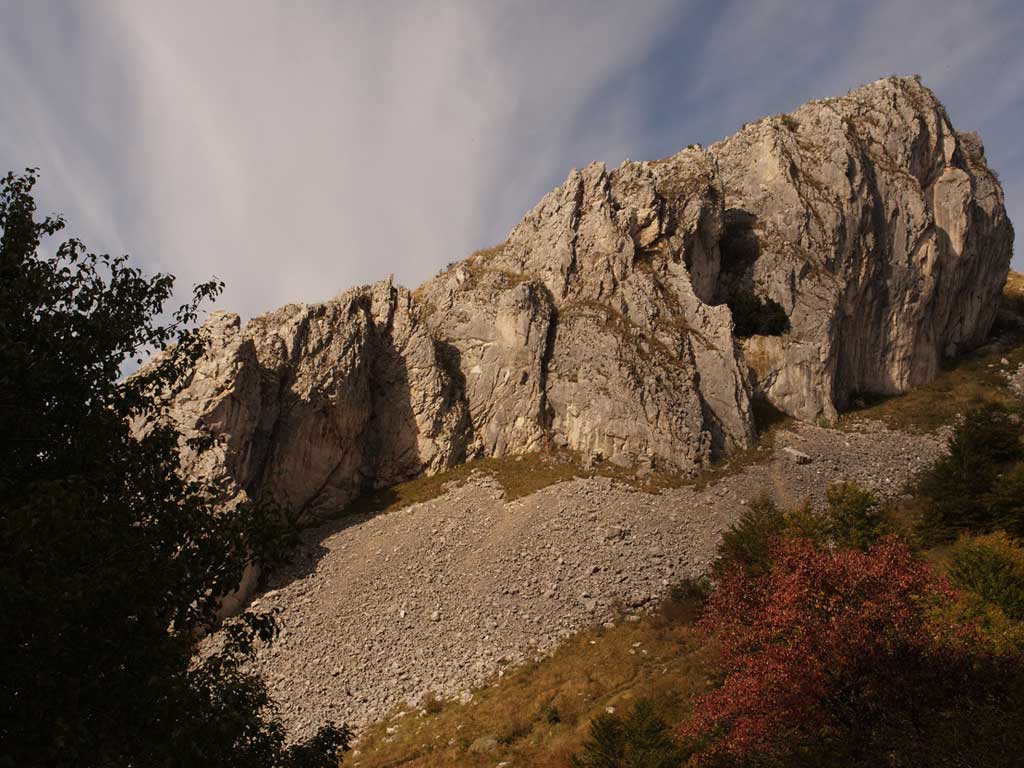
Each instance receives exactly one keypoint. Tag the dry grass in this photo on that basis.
(1013, 292)
(539, 714)
(973, 380)
(518, 476)
(528, 473)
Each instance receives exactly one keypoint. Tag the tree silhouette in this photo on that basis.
(111, 563)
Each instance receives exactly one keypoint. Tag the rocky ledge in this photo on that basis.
(633, 315)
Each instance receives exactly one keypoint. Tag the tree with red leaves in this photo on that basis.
(837, 657)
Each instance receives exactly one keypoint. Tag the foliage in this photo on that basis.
(992, 567)
(747, 542)
(1004, 502)
(833, 657)
(855, 518)
(111, 564)
(967, 489)
(806, 523)
(753, 315)
(640, 740)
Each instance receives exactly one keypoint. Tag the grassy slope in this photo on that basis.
(518, 476)
(525, 474)
(659, 656)
(539, 714)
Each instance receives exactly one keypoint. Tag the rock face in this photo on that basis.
(592, 328)
(877, 227)
(606, 323)
(309, 404)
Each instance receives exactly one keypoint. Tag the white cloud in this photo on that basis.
(297, 150)
(32, 134)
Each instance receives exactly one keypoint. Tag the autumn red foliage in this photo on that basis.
(837, 647)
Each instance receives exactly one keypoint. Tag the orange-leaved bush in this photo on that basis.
(837, 657)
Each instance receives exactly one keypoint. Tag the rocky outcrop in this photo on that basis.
(877, 227)
(852, 244)
(311, 403)
(608, 283)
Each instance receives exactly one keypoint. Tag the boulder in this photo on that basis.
(795, 456)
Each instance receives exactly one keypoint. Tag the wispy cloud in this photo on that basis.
(296, 152)
(768, 57)
(296, 149)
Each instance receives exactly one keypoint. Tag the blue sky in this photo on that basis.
(296, 149)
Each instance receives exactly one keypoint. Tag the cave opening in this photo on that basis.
(753, 313)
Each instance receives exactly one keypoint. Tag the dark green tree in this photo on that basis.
(1005, 501)
(747, 543)
(854, 517)
(112, 564)
(639, 740)
(973, 487)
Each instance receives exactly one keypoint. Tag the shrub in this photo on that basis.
(640, 740)
(431, 704)
(854, 517)
(803, 522)
(686, 600)
(989, 434)
(1004, 504)
(834, 658)
(967, 490)
(691, 590)
(992, 567)
(746, 544)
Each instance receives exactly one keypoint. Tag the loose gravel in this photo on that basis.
(439, 597)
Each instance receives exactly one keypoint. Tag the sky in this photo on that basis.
(295, 149)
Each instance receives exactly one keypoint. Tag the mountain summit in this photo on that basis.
(633, 316)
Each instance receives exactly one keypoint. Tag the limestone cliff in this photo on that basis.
(878, 228)
(871, 232)
(310, 404)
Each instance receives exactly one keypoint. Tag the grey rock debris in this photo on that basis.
(516, 577)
